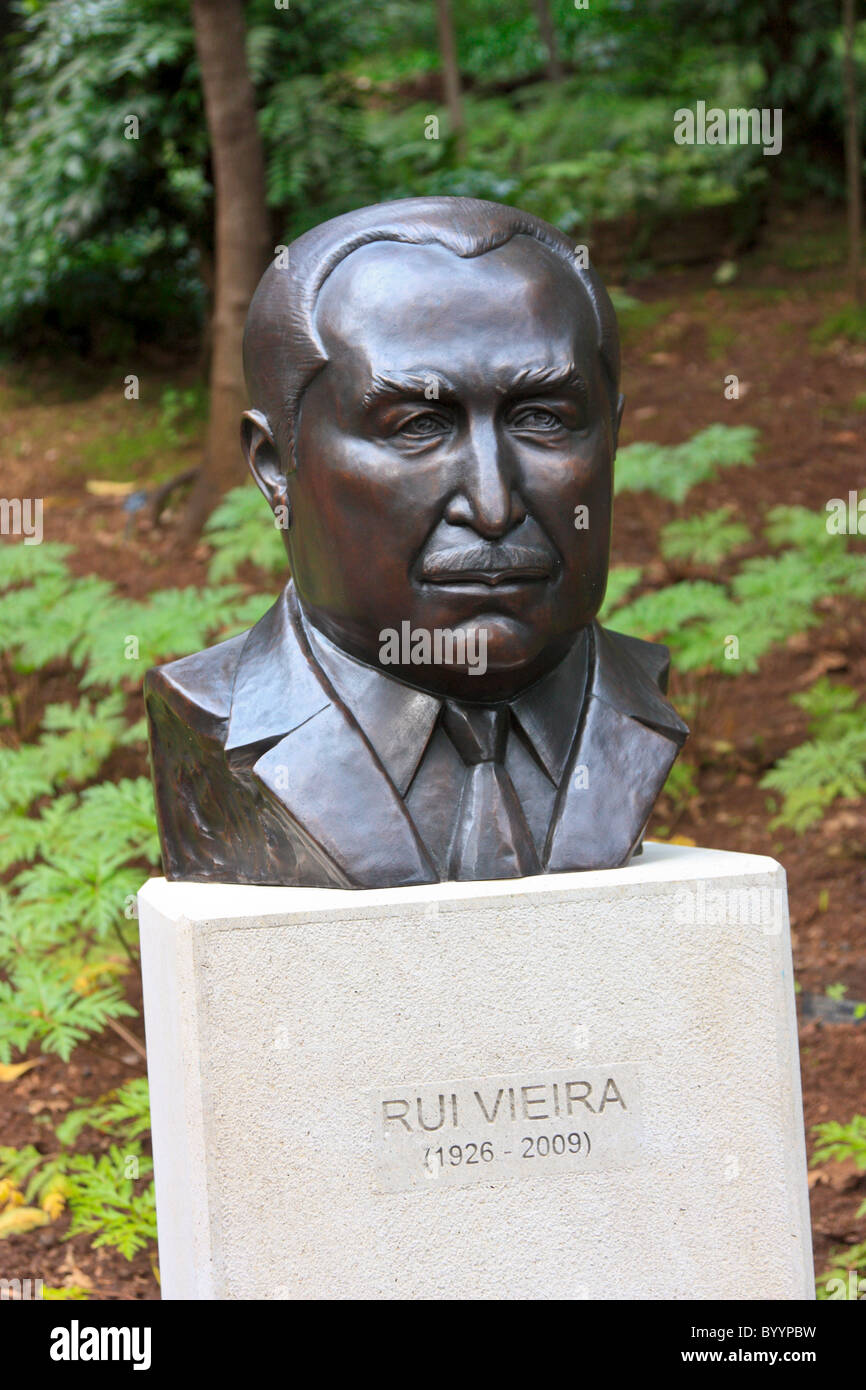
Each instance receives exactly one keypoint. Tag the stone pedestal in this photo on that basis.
(580, 1086)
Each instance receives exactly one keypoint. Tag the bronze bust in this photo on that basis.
(436, 400)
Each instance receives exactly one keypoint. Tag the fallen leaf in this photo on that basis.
(682, 840)
(11, 1072)
(53, 1203)
(104, 487)
(14, 1221)
(10, 1193)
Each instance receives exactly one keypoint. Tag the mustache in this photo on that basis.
(487, 560)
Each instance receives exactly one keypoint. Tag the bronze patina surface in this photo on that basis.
(435, 388)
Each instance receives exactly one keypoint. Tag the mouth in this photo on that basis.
(466, 578)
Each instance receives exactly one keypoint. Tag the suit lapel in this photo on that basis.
(624, 750)
(319, 766)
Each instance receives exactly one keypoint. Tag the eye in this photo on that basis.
(423, 426)
(536, 418)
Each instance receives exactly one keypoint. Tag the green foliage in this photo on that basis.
(79, 851)
(831, 764)
(108, 1206)
(169, 623)
(839, 1142)
(77, 741)
(849, 323)
(681, 786)
(22, 563)
(705, 539)
(118, 814)
(730, 627)
(115, 639)
(797, 49)
(124, 1112)
(37, 1004)
(106, 232)
(802, 528)
(671, 471)
(621, 580)
(836, 1143)
(96, 223)
(574, 153)
(181, 411)
(238, 530)
(843, 1264)
(109, 1196)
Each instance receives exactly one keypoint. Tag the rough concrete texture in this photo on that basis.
(273, 1013)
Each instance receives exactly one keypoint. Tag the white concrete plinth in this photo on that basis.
(606, 1064)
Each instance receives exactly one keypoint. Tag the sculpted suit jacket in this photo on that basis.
(259, 767)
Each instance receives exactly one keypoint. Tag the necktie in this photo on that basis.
(492, 838)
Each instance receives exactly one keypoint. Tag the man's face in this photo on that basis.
(442, 455)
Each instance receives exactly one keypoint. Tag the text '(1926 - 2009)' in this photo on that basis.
(492, 1129)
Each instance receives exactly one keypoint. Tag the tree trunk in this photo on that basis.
(548, 38)
(451, 74)
(853, 157)
(241, 240)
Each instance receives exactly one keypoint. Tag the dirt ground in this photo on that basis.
(803, 400)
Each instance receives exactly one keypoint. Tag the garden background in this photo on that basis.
(123, 282)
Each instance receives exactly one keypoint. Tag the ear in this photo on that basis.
(617, 421)
(263, 460)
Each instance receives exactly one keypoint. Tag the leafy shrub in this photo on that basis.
(829, 765)
(238, 529)
(109, 1196)
(705, 539)
(671, 471)
(838, 1143)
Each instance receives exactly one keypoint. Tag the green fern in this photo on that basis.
(621, 580)
(672, 471)
(239, 532)
(125, 1112)
(109, 1196)
(22, 564)
(105, 1204)
(681, 785)
(124, 639)
(37, 1006)
(77, 740)
(705, 539)
(799, 527)
(839, 1142)
(831, 707)
(830, 765)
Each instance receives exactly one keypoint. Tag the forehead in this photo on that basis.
(391, 307)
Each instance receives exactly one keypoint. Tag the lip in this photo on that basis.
(491, 578)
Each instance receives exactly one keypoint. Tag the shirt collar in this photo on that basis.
(398, 720)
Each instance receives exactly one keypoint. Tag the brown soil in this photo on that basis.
(802, 401)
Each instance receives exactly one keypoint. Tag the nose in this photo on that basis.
(485, 498)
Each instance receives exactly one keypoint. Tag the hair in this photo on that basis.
(282, 349)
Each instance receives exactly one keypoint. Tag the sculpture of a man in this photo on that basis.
(435, 385)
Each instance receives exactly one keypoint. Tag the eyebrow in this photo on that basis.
(545, 378)
(549, 379)
(385, 386)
